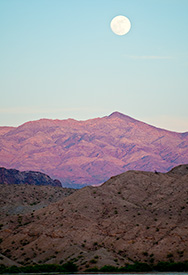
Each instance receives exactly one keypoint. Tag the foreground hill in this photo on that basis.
(135, 216)
(90, 152)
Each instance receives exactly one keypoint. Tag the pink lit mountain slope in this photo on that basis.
(89, 152)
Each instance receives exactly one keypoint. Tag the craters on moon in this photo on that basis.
(120, 25)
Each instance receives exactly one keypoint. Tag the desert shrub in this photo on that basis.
(93, 270)
(12, 269)
(40, 268)
(70, 267)
(137, 267)
(145, 253)
(116, 260)
(151, 260)
(109, 268)
(2, 268)
(93, 261)
(176, 267)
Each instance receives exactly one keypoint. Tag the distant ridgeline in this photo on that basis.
(13, 176)
(81, 153)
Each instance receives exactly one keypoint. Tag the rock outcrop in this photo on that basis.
(13, 176)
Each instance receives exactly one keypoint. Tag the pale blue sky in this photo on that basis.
(60, 59)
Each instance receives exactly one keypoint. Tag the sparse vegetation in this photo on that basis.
(145, 253)
(65, 268)
(170, 255)
(144, 267)
(93, 261)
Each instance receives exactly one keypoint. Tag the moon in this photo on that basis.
(120, 25)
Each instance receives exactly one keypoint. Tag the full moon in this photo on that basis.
(120, 25)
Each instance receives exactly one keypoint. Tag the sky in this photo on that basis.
(59, 59)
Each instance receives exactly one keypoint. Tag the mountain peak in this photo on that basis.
(121, 116)
(116, 114)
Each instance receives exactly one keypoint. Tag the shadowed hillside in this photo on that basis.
(13, 176)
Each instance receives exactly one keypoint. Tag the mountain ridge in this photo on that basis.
(89, 152)
(14, 176)
(114, 114)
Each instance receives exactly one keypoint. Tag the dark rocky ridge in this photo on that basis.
(13, 176)
(135, 216)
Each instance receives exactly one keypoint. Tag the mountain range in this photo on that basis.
(136, 216)
(80, 153)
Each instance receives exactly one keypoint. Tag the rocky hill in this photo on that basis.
(89, 152)
(13, 176)
(20, 199)
(135, 216)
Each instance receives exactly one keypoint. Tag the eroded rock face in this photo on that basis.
(13, 176)
(135, 216)
(89, 152)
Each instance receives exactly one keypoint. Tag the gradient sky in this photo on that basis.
(60, 59)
